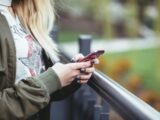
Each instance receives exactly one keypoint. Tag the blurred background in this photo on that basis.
(128, 30)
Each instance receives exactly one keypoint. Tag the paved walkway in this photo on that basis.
(119, 45)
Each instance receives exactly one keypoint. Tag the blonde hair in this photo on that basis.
(38, 17)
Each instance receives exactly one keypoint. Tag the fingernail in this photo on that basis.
(72, 60)
(92, 61)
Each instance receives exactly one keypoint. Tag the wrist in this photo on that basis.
(56, 70)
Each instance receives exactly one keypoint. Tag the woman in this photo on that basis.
(27, 75)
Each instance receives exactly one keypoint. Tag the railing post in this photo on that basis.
(85, 48)
(104, 116)
(106, 107)
(97, 111)
(84, 104)
(90, 110)
(85, 44)
(77, 104)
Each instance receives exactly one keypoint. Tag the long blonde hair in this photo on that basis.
(38, 17)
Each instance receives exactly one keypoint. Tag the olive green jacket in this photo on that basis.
(20, 101)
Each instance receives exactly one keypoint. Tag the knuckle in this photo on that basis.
(85, 77)
(90, 70)
(93, 69)
(71, 80)
(75, 73)
(80, 55)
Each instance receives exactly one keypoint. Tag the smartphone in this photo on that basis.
(92, 55)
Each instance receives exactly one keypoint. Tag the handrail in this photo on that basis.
(124, 102)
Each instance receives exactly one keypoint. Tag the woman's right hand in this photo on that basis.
(68, 72)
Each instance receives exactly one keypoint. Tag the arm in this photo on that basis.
(75, 85)
(65, 91)
(83, 78)
(28, 96)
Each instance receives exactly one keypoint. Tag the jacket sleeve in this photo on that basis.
(28, 96)
(65, 91)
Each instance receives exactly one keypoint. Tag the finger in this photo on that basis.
(89, 70)
(94, 61)
(77, 57)
(84, 76)
(79, 65)
(82, 81)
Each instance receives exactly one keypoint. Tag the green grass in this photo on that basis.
(68, 36)
(145, 63)
(71, 36)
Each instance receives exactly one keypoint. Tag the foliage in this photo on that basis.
(144, 63)
(138, 71)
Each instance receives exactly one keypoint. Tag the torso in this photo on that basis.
(29, 60)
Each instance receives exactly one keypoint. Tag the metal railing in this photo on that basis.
(124, 102)
(127, 105)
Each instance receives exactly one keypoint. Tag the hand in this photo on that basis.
(85, 73)
(68, 72)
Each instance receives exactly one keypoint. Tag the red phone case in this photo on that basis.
(92, 55)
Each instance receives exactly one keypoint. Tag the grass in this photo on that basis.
(71, 36)
(68, 36)
(144, 63)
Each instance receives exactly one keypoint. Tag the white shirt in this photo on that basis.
(28, 51)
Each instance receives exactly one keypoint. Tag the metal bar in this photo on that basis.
(90, 109)
(76, 107)
(85, 44)
(106, 106)
(124, 102)
(97, 111)
(104, 116)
